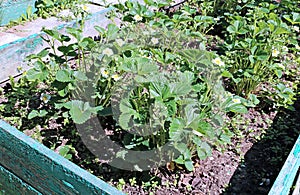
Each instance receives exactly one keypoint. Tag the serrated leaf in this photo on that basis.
(63, 76)
(79, 112)
(43, 113)
(201, 154)
(33, 114)
(176, 129)
(80, 75)
(238, 108)
(204, 150)
(124, 120)
(180, 88)
(189, 165)
(112, 31)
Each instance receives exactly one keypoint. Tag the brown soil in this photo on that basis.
(249, 165)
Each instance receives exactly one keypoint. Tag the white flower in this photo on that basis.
(120, 42)
(84, 7)
(104, 72)
(296, 28)
(285, 49)
(45, 98)
(154, 40)
(108, 52)
(218, 61)
(275, 53)
(116, 77)
(138, 18)
(297, 47)
(236, 100)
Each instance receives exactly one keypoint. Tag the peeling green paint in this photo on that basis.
(11, 184)
(12, 10)
(44, 170)
(287, 175)
(14, 53)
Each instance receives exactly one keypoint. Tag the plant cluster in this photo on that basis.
(161, 74)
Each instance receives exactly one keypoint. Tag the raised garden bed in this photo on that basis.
(28, 167)
(170, 57)
(288, 178)
(14, 9)
(22, 40)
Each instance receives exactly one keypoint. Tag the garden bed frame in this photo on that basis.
(13, 9)
(28, 167)
(288, 174)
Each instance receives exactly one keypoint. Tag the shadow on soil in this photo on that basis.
(262, 163)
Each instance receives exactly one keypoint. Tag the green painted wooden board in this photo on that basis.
(40, 169)
(287, 175)
(11, 184)
(13, 9)
(13, 54)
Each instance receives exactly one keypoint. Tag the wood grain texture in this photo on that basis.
(11, 184)
(287, 175)
(43, 169)
(13, 54)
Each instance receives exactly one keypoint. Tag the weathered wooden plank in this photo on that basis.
(297, 187)
(11, 184)
(12, 54)
(12, 10)
(43, 169)
(287, 175)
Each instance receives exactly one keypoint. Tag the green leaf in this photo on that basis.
(262, 55)
(159, 89)
(180, 88)
(203, 150)
(149, 2)
(63, 76)
(80, 75)
(34, 74)
(63, 151)
(127, 112)
(205, 128)
(87, 42)
(124, 120)
(112, 31)
(201, 153)
(43, 113)
(80, 111)
(75, 32)
(253, 99)
(43, 53)
(189, 165)
(141, 65)
(176, 129)
(180, 160)
(184, 150)
(191, 114)
(227, 74)
(39, 72)
(53, 33)
(194, 55)
(238, 108)
(33, 114)
(100, 30)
